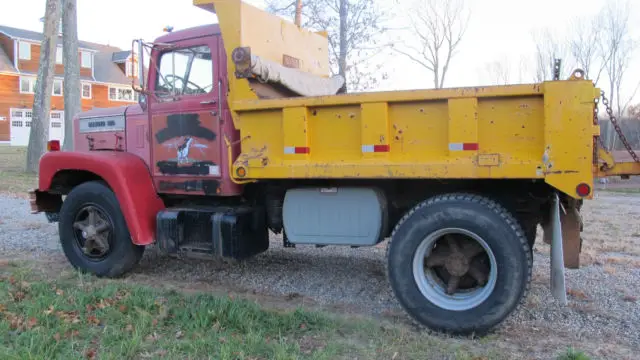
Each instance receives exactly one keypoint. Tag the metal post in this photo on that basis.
(558, 288)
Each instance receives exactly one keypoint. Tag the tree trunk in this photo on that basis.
(298, 18)
(72, 96)
(342, 59)
(39, 134)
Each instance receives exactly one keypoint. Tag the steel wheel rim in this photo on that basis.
(431, 284)
(93, 235)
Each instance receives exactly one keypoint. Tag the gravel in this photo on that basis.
(603, 316)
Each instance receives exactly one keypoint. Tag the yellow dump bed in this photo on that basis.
(532, 131)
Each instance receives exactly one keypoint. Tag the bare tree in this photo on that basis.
(498, 71)
(439, 26)
(72, 89)
(634, 112)
(39, 134)
(584, 47)
(616, 49)
(356, 30)
(549, 48)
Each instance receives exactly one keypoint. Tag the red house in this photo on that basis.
(105, 75)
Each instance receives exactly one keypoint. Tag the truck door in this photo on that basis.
(184, 115)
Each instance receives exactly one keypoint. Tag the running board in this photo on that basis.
(558, 287)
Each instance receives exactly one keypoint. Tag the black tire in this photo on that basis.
(123, 254)
(500, 231)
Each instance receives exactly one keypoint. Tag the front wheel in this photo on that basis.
(93, 232)
(459, 263)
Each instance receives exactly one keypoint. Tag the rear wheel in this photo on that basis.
(93, 233)
(459, 263)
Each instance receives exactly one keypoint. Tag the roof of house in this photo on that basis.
(106, 57)
(36, 36)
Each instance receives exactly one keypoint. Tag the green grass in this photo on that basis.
(76, 316)
(572, 354)
(13, 179)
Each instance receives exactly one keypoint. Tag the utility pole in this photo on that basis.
(39, 133)
(72, 96)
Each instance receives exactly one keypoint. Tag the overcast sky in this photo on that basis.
(498, 30)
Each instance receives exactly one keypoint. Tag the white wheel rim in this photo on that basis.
(432, 286)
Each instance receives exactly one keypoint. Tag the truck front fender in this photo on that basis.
(126, 174)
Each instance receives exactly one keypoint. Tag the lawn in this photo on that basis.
(13, 179)
(73, 316)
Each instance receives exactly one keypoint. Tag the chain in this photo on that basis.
(614, 122)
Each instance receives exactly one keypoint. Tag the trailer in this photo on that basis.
(241, 131)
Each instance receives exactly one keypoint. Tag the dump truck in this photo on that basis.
(241, 132)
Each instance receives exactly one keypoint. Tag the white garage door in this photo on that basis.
(21, 126)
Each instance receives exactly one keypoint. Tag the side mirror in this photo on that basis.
(140, 45)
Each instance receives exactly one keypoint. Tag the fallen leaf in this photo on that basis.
(57, 336)
(123, 308)
(12, 280)
(152, 337)
(578, 294)
(59, 292)
(154, 322)
(179, 334)
(2, 308)
(129, 328)
(161, 353)
(31, 323)
(49, 311)
(91, 319)
(24, 285)
(223, 340)
(90, 354)
(90, 307)
(303, 326)
(17, 296)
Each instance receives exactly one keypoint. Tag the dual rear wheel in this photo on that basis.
(459, 263)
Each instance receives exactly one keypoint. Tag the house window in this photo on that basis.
(56, 115)
(57, 87)
(122, 94)
(58, 55)
(86, 91)
(85, 59)
(24, 51)
(27, 85)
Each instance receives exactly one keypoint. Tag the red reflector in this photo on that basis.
(470, 146)
(53, 145)
(302, 150)
(380, 148)
(583, 189)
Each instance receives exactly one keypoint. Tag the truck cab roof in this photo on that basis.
(189, 33)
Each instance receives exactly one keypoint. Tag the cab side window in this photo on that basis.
(185, 71)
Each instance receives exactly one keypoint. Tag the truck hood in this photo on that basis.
(114, 111)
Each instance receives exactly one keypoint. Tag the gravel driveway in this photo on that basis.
(602, 319)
